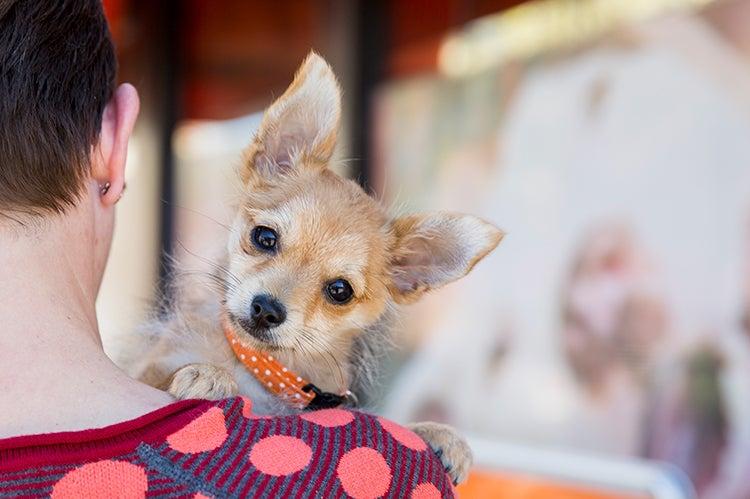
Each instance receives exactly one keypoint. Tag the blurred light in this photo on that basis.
(209, 138)
(543, 26)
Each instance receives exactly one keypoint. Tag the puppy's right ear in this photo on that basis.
(300, 127)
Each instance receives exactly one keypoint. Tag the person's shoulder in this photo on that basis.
(329, 451)
(223, 449)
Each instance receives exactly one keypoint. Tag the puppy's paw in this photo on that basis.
(450, 447)
(202, 381)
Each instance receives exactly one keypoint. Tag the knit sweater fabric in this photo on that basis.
(201, 449)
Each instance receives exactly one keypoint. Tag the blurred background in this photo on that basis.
(603, 351)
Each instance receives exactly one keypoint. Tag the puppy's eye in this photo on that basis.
(264, 238)
(339, 291)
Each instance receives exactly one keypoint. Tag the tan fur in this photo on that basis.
(204, 381)
(452, 448)
(328, 228)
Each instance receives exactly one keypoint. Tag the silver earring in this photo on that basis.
(103, 189)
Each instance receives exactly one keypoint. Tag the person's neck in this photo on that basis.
(54, 375)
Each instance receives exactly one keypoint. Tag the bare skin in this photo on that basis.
(54, 374)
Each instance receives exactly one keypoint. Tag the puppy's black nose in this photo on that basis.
(267, 312)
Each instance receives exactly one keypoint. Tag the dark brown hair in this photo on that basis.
(57, 73)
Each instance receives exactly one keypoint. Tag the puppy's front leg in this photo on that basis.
(202, 381)
(450, 447)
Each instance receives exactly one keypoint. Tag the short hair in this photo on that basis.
(57, 73)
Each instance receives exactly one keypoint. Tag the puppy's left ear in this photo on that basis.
(435, 249)
(301, 124)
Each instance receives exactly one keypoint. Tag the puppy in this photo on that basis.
(312, 267)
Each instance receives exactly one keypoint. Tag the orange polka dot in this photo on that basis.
(404, 436)
(206, 432)
(363, 473)
(247, 407)
(280, 455)
(103, 479)
(259, 416)
(425, 491)
(329, 418)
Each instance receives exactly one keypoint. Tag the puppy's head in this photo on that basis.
(314, 259)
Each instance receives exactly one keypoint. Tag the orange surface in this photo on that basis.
(486, 484)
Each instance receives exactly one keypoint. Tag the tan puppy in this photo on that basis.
(313, 265)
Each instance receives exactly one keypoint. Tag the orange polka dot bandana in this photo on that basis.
(280, 381)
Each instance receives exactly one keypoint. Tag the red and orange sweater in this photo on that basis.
(201, 449)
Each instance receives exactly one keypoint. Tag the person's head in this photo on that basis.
(65, 127)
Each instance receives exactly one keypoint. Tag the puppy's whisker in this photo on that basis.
(334, 365)
(217, 283)
(214, 265)
(196, 212)
(316, 351)
(342, 380)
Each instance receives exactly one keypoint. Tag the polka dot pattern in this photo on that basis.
(330, 418)
(100, 478)
(280, 455)
(247, 407)
(268, 371)
(425, 491)
(403, 435)
(223, 448)
(205, 433)
(363, 473)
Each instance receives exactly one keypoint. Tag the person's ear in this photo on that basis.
(118, 121)
(434, 249)
(300, 126)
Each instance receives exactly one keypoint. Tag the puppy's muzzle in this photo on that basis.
(267, 312)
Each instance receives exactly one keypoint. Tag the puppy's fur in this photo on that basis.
(327, 228)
